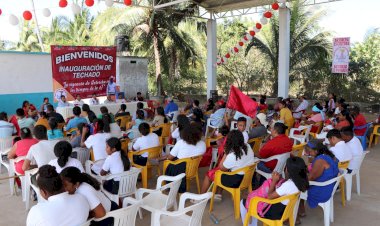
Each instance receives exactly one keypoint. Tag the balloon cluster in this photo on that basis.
(75, 8)
(249, 35)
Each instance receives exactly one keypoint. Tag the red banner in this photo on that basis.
(82, 70)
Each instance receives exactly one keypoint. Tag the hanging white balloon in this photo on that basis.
(249, 36)
(281, 1)
(75, 8)
(109, 3)
(239, 47)
(256, 30)
(13, 20)
(46, 12)
(263, 20)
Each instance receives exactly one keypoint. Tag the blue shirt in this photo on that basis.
(171, 107)
(217, 118)
(136, 126)
(73, 123)
(56, 135)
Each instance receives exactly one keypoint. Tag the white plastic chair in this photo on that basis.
(156, 200)
(302, 138)
(12, 172)
(349, 177)
(127, 183)
(28, 185)
(125, 216)
(208, 125)
(83, 154)
(181, 217)
(280, 166)
(5, 147)
(214, 158)
(327, 207)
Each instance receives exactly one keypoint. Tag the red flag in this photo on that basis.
(240, 102)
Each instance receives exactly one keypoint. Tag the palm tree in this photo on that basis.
(153, 33)
(28, 40)
(308, 44)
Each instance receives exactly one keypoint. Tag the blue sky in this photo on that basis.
(352, 18)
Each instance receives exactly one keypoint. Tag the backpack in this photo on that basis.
(262, 191)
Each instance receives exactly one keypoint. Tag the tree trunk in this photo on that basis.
(157, 60)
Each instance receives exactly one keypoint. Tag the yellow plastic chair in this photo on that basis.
(374, 136)
(209, 140)
(255, 143)
(287, 215)
(122, 120)
(192, 165)
(299, 149)
(235, 192)
(165, 134)
(153, 153)
(343, 166)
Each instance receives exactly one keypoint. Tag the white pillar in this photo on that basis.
(211, 55)
(284, 52)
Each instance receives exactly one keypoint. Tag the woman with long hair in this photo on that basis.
(182, 122)
(62, 151)
(160, 117)
(54, 133)
(344, 120)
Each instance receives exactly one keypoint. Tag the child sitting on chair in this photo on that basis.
(116, 162)
(295, 181)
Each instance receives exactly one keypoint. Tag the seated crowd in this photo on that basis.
(75, 195)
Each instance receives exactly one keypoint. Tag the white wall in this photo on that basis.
(25, 73)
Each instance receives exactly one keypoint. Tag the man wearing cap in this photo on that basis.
(260, 129)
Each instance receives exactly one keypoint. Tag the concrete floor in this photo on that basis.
(361, 210)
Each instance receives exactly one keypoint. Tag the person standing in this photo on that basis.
(111, 88)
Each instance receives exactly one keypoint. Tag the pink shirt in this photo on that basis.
(316, 118)
(22, 150)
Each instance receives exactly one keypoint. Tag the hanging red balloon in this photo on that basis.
(27, 15)
(1, 12)
(275, 6)
(241, 43)
(252, 33)
(89, 3)
(62, 3)
(236, 50)
(228, 55)
(268, 15)
(128, 2)
(222, 60)
(245, 38)
(258, 26)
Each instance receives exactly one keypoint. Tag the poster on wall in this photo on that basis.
(341, 55)
(82, 70)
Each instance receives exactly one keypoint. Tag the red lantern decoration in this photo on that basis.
(252, 33)
(27, 15)
(258, 26)
(275, 6)
(241, 43)
(62, 3)
(236, 50)
(128, 2)
(268, 15)
(89, 3)
(228, 55)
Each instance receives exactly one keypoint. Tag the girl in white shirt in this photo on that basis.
(296, 180)
(116, 162)
(182, 122)
(76, 182)
(237, 155)
(62, 151)
(146, 141)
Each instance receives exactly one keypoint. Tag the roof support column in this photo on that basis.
(211, 55)
(284, 52)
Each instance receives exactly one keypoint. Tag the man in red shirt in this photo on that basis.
(280, 144)
(360, 121)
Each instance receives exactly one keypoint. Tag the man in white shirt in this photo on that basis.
(297, 114)
(24, 122)
(94, 100)
(338, 147)
(356, 148)
(43, 151)
(61, 208)
(109, 100)
(62, 102)
(147, 140)
(6, 129)
(78, 101)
